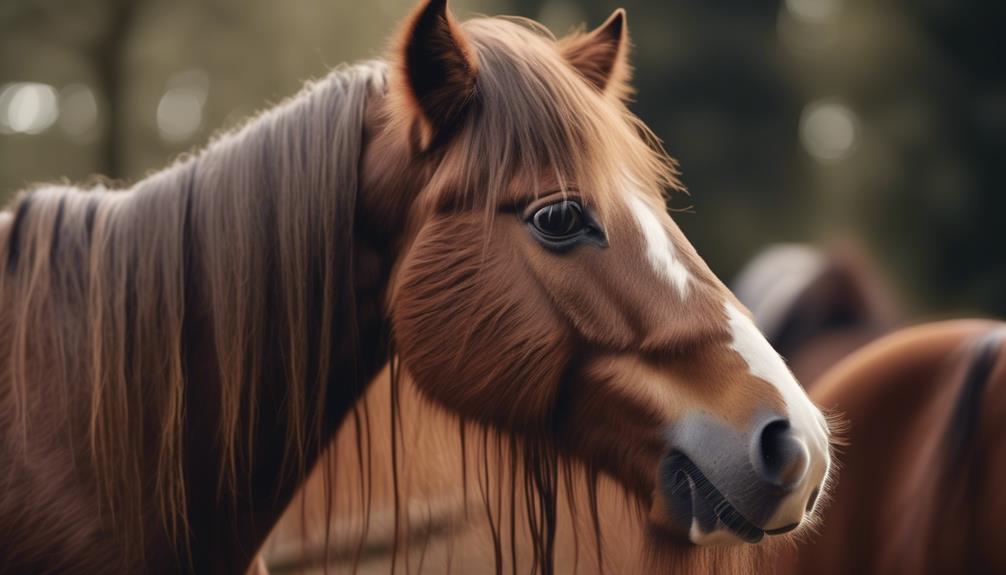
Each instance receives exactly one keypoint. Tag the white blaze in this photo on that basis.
(765, 363)
(659, 249)
(805, 418)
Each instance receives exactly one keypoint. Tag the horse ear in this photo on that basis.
(602, 55)
(437, 66)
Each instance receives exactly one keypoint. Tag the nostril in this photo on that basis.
(773, 446)
(779, 457)
(813, 499)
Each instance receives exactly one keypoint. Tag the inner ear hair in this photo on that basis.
(438, 68)
(601, 55)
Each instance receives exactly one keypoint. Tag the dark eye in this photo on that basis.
(565, 224)
(559, 220)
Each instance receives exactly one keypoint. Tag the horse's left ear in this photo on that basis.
(602, 55)
(437, 66)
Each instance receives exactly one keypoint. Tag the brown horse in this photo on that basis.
(920, 489)
(485, 210)
(923, 474)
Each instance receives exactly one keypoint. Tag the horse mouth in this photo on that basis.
(694, 503)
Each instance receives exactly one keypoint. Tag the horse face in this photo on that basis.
(558, 299)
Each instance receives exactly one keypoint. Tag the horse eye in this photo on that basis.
(559, 220)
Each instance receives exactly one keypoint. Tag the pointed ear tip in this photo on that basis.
(434, 6)
(616, 22)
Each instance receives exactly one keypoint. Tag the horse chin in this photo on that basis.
(720, 537)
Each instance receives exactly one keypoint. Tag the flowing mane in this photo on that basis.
(102, 285)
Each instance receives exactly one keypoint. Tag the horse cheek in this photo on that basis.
(475, 331)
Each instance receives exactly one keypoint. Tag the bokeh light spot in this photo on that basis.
(828, 130)
(814, 11)
(180, 111)
(27, 108)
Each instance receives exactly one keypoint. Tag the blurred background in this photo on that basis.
(836, 122)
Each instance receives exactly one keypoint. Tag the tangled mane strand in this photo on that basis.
(240, 253)
(521, 515)
(517, 480)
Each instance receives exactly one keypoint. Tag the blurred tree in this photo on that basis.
(925, 81)
(109, 63)
(792, 119)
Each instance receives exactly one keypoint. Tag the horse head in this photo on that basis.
(541, 288)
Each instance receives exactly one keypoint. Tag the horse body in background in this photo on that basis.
(926, 456)
(926, 452)
(176, 356)
(817, 306)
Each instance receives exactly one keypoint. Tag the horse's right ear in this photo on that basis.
(437, 67)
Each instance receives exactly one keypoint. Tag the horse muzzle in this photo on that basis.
(719, 485)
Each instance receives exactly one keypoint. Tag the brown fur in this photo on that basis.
(177, 355)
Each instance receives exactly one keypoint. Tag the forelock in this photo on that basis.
(535, 116)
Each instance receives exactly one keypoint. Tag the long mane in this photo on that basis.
(240, 253)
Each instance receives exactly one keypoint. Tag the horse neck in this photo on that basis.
(205, 331)
(226, 284)
(285, 323)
